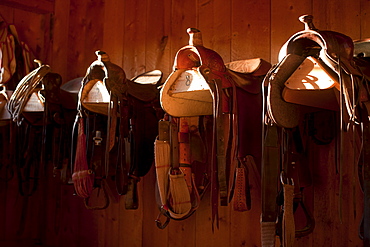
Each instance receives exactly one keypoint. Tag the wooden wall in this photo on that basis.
(144, 35)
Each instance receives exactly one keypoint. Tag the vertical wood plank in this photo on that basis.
(183, 16)
(284, 22)
(250, 29)
(135, 36)
(364, 24)
(157, 37)
(84, 35)
(60, 39)
(205, 235)
(214, 18)
(340, 16)
(245, 226)
(34, 32)
(113, 30)
(152, 235)
(182, 232)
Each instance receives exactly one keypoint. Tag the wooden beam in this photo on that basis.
(36, 6)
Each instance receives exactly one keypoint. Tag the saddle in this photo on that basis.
(316, 76)
(201, 84)
(121, 117)
(313, 64)
(35, 108)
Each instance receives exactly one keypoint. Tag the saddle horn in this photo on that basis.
(102, 56)
(307, 21)
(195, 37)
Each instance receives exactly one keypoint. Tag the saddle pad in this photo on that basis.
(144, 87)
(245, 66)
(186, 93)
(255, 66)
(150, 77)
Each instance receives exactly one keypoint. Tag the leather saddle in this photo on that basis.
(313, 66)
(130, 111)
(104, 78)
(186, 91)
(37, 88)
(201, 84)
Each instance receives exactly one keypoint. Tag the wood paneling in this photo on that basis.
(250, 25)
(284, 22)
(145, 35)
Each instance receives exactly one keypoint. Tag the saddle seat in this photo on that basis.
(246, 73)
(69, 92)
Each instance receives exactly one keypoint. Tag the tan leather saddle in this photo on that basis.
(201, 84)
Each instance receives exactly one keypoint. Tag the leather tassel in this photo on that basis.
(82, 177)
(242, 196)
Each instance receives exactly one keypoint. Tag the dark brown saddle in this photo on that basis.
(35, 108)
(123, 114)
(37, 88)
(313, 66)
(317, 75)
(201, 84)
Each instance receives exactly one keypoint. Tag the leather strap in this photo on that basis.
(175, 164)
(124, 154)
(366, 173)
(184, 151)
(270, 166)
(288, 217)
